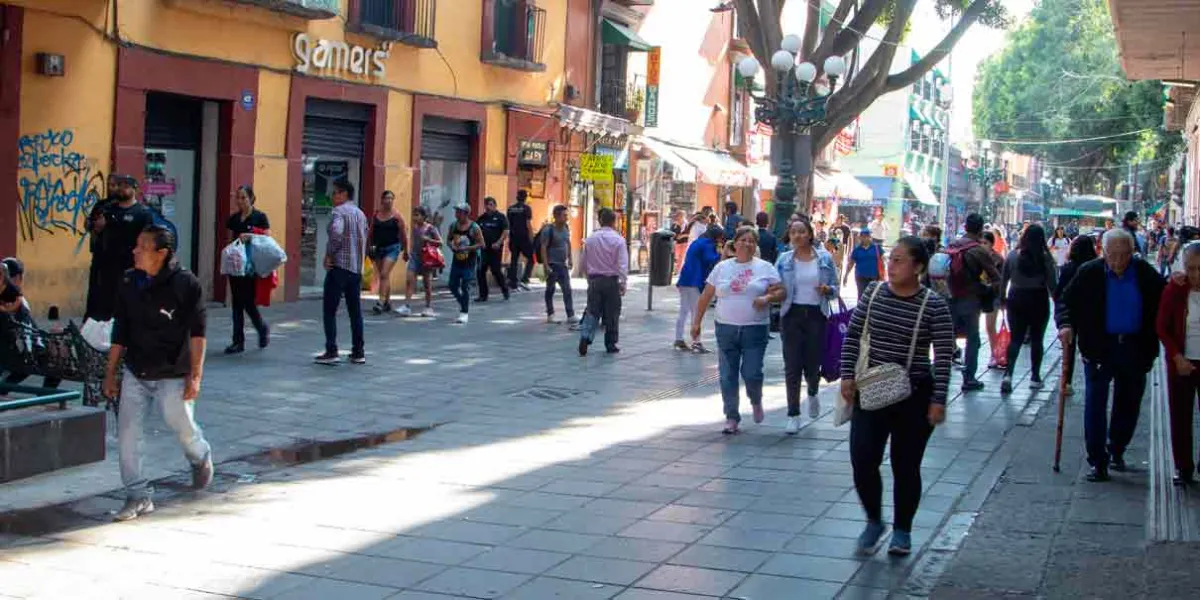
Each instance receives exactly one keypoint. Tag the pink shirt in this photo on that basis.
(604, 253)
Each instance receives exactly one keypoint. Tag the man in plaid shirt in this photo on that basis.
(344, 252)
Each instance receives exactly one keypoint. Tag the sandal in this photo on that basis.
(699, 348)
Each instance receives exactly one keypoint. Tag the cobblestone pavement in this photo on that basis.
(546, 475)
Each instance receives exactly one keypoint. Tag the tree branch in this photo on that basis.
(850, 35)
(812, 27)
(910, 75)
(822, 52)
(755, 35)
(768, 17)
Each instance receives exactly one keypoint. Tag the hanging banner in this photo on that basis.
(595, 167)
(603, 191)
(653, 66)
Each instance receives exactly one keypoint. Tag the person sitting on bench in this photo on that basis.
(14, 306)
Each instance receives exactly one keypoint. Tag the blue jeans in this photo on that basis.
(559, 274)
(966, 322)
(1107, 437)
(740, 349)
(136, 397)
(461, 277)
(341, 283)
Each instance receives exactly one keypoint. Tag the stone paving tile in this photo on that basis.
(634, 549)
(665, 531)
(373, 570)
(811, 567)
(842, 528)
(475, 583)
(692, 514)
(769, 586)
(602, 570)
(579, 521)
(694, 580)
(644, 493)
(718, 500)
(517, 560)
(715, 557)
(545, 588)
(769, 522)
(466, 531)
(770, 541)
(555, 541)
(621, 508)
(322, 589)
(817, 545)
(644, 594)
(427, 550)
(417, 595)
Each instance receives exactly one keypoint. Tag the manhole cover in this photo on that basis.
(541, 392)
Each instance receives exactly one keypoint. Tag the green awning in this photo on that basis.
(620, 35)
(914, 114)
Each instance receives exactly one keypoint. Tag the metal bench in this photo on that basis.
(66, 355)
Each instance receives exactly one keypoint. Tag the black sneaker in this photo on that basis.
(264, 337)
(1117, 463)
(202, 474)
(327, 358)
(481, 299)
(358, 359)
(1098, 474)
(613, 350)
(377, 309)
(1183, 477)
(972, 386)
(235, 349)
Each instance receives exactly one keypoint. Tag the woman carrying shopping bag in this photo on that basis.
(897, 393)
(809, 280)
(243, 224)
(1029, 276)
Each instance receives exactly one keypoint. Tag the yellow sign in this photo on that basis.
(891, 170)
(603, 191)
(595, 167)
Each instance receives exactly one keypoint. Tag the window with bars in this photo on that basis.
(517, 32)
(411, 22)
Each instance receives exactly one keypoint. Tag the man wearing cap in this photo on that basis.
(121, 223)
(864, 261)
(344, 251)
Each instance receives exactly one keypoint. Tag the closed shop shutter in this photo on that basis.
(436, 145)
(173, 122)
(326, 136)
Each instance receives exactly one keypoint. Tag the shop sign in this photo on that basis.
(533, 154)
(653, 66)
(336, 57)
(891, 170)
(595, 167)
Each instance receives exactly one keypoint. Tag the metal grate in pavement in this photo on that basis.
(545, 392)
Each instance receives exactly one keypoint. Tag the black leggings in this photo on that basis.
(803, 333)
(1028, 315)
(907, 424)
(241, 290)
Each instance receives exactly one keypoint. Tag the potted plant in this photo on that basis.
(633, 110)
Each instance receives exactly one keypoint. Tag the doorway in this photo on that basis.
(445, 162)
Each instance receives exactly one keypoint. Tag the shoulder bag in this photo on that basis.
(888, 383)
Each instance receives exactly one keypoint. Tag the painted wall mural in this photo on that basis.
(57, 185)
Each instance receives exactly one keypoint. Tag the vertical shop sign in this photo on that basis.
(653, 64)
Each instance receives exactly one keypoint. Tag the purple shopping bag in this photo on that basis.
(836, 326)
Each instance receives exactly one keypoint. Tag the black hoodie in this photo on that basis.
(155, 320)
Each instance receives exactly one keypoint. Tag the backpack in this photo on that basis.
(939, 265)
(963, 283)
(159, 220)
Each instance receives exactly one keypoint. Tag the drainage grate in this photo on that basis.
(542, 392)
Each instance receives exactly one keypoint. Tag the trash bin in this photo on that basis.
(662, 251)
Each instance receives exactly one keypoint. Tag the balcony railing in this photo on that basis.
(307, 9)
(519, 37)
(411, 22)
(621, 98)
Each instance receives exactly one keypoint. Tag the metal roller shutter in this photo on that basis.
(325, 136)
(173, 122)
(436, 145)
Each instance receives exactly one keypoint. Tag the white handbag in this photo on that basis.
(888, 383)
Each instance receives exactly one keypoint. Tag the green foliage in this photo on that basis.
(1060, 78)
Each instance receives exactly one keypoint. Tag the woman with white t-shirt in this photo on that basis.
(1179, 330)
(1060, 247)
(746, 287)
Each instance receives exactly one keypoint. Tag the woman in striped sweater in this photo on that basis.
(897, 309)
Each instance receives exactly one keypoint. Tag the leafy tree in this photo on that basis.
(1060, 78)
(845, 29)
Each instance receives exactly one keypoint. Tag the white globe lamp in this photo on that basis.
(748, 67)
(791, 42)
(835, 66)
(782, 60)
(806, 72)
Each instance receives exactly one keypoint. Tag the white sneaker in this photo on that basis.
(404, 311)
(793, 426)
(462, 319)
(814, 407)
(428, 312)
(550, 319)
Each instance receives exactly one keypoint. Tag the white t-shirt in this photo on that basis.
(696, 230)
(1191, 348)
(805, 279)
(737, 285)
(1060, 248)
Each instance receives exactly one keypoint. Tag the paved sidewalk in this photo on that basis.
(614, 482)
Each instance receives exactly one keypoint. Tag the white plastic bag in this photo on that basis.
(233, 259)
(842, 411)
(97, 333)
(265, 254)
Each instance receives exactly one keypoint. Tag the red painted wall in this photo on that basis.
(11, 20)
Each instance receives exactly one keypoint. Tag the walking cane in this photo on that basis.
(1068, 358)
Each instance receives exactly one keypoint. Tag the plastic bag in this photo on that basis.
(842, 411)
(234, 261)
(432, 259)
(1000, 346)
(266, 255)
(97, 333)
(836, 326)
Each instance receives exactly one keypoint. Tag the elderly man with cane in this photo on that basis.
(1111, 305)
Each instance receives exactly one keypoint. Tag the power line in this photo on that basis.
(1075, 141)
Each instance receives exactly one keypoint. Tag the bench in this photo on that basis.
(63, 354)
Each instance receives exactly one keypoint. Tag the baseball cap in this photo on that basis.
(463, 206)
(865, 231)
(123, 178)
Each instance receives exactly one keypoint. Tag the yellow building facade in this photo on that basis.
(437, 101)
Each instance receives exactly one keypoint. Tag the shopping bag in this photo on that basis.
(432, 259)
(842, 411)
(234, 261)
(836, 326)
(266, 255)
(97, 333)
(1000, 346)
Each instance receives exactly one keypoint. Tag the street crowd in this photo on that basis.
(893, 352)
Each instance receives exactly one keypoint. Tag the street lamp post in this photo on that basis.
(797, 105)
(985, 175)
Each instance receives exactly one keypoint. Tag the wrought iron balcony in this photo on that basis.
(412, 22)
(519, 37)
(307, 9)
(622, 98)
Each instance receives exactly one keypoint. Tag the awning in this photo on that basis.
(590, 121)
(1071, 212)
(836, 184)
(711, 166)
(620, 35)
(921, 190)
(914, 114)
(880, 186)
(1031, 207)
(683, 170)
(620, 156)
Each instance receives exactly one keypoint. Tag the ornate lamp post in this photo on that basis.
(1051, 189)
(796, 106)
(985, 175)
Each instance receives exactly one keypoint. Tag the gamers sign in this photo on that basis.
(336, 57)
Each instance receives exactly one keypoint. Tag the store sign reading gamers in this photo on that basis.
(336, 57)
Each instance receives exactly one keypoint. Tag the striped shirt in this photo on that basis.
(347, 237)
(893, 319)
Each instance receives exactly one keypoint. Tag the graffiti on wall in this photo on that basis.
(57, 185)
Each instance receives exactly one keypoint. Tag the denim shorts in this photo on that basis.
(388, 252)
(414, 263)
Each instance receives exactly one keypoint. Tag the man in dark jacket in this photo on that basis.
(968, 289)
(1110, 308)
(768, 246)
(158, 328)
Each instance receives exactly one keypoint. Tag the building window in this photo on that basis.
(914, 136)
(411, 22)
(737, 120)
(514, 34)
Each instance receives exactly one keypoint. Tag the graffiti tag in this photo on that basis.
(57, 185)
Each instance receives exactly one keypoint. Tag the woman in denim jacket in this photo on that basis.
(810, 280)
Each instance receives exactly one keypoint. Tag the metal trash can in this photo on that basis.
(662, 254)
